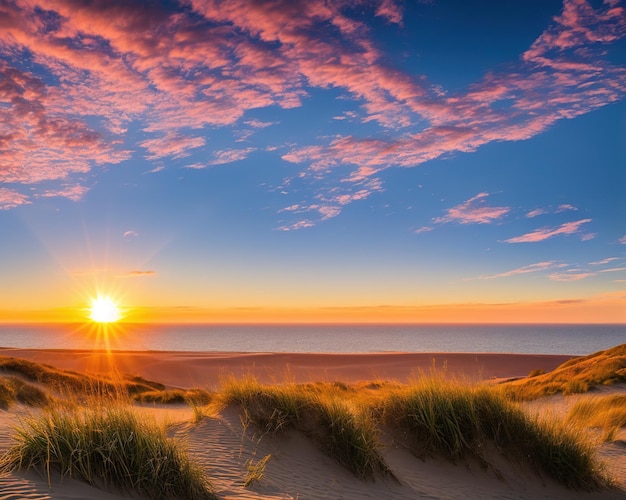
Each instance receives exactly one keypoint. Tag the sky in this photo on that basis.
(314, 161)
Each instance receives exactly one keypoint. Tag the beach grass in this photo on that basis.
(607, 413)
(434, 416)
(14, 390)
(348, 436)
(578, 375)
(110, 447)
(72, 383)
(175, 396)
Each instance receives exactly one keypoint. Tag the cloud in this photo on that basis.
(74, 193)
(138, 274)
(536, 212)
(130, 234)
(571, 275)
(473, 211)
(622, 240)
(531, 268)
(76, 76)
(542, 211)
(11, 199)
(229, 156)
(545, 233)
(565, 207)
(603, 261)
(259, 123)
(171, 144)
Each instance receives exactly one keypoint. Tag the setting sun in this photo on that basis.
(104, 310)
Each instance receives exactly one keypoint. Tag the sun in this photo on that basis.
(104, 310)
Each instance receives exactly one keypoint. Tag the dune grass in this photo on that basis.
(14, 390)
(110, 447)
(455, 420)
(431, 416)
(175, 396)
(607, 413)
(72, 383)
(350, 437)
(578, 375)
(106, 445)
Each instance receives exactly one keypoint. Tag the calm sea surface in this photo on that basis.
(532, 339)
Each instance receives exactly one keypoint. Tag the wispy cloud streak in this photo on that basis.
(546, 232)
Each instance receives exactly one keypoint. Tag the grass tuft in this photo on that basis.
(108, 447)
(65, 381)
(607, 413)
(14, 390)
(442, 417)
(344, 433)
(256, 470)
(573, 377)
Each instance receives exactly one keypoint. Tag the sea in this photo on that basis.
(530, 339)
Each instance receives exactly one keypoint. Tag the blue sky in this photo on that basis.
(350, 160)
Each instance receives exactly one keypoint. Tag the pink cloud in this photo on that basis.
(473, 211)
(74, 193)
(171, 144)
(545, 233)
(603, 261)
(230, 156)
(138, 274)
(531, 268)
(130, 234)
(535, 213)
(11, 199)
(571, 275)
(169, 72)
(622, 240)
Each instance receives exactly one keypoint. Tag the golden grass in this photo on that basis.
(320, 411)
(607, 413)
(15, 390)
(431, 416)
(575, 376)
(72, 383)
(107, 446)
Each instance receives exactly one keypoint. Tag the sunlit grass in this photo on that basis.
(351, 438)
(110, 447)
(575, 376)
(607, 413)
(14, 390)
(457, 421)
(73, 383)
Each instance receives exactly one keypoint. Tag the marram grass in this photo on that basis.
(350, 437)
(108, 447)
(607, 413)
(442, 417)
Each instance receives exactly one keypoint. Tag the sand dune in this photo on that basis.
(297, 469)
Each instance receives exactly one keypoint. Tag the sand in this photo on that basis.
(297, 469)
(207, 369)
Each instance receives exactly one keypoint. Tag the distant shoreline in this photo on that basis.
(187, 369)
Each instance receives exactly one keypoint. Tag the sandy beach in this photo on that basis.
(297, 469)
(206, 369)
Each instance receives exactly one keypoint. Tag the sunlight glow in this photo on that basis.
(104, 310)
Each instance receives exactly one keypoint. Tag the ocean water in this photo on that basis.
(531, 339)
